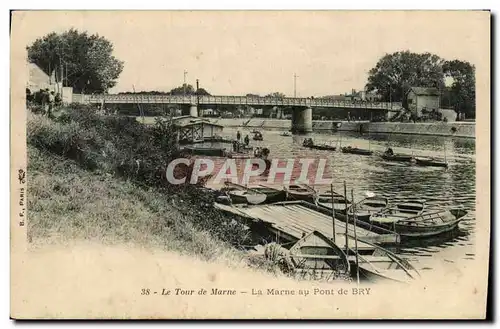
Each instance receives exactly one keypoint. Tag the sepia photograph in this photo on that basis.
(250, 164)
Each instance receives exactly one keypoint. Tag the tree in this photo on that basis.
(462, 93)
(84, 61)
(394, 74)
(187, 89)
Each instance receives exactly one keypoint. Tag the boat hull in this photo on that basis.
(398, 158)
(322, 147)
(408, 231)
(431, 163)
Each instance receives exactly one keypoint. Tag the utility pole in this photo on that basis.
(295, 85)
(184, 85)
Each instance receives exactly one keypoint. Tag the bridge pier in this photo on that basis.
(302, 120)
(193, 110)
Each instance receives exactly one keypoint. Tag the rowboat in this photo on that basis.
(398, 157)
(272, 194)
(317, 257)
(356, 150)
(339, 202)
(383, 265)
(309, 143)
(322, 147)
(430, 223)
(250, 197)
(208, 151)
(300, 192)
(369, 206)
(430, 162)
(258, 136)
(401, 211)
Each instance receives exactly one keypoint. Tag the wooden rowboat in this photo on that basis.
(309, 143)
(356, 150)
(339, 202)
(322, 147)
(369, 206)
(383, 266)
(316, 257)
(398, 157)
(239, 196)
(400, 211)
(300, 192)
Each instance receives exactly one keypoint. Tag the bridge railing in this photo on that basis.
(238, 100)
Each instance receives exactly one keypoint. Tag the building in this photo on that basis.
(423, 98)
(38, 79)
(194, 130)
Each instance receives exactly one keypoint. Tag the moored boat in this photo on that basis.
(300, 192)
(322, 147)
(356, 150)
(309, 143)
(397, 157)
(272, 194)
(250, 197)
(430, 162)
(369, 206)
(285, 134)
(324, 199)
(383, 266)
(317, 257)
(401, 211)
(430, 223)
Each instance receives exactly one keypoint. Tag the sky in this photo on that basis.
(235, 53)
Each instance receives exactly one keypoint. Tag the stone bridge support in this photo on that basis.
(302, 120)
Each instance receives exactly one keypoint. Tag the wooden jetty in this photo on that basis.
(292, 219)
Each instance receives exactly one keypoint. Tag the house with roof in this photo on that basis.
(38, 79)
(423, 98)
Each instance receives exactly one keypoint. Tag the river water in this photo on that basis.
(451, 187)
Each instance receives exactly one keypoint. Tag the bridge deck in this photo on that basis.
(235, 100)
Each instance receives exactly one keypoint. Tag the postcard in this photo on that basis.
(250, 164)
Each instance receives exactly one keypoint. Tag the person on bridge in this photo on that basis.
(247, 140)
(238, 136)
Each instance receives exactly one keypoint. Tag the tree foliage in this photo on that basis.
(84, 61)
(462, 92)
(394, 74)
